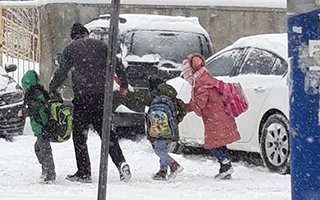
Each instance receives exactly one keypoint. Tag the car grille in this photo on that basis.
(139, 73)
(11, 125)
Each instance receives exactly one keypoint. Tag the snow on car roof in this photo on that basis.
(277, 43)
(151, 22)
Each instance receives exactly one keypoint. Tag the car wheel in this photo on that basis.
(275, 148)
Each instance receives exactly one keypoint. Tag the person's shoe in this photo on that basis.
(225, 171)
(160, 175)
(124, 171)
(79, 178)
(47, 178)
(175, 169)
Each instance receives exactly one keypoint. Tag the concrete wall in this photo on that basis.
(300, 6)
(224, 24)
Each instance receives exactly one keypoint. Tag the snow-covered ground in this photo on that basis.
(20, 176)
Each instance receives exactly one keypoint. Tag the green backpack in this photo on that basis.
(60, 123)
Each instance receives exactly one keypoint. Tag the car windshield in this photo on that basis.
(173, 46)
(223, 64)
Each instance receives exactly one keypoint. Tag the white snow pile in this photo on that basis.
(236, 3)
(20, 176)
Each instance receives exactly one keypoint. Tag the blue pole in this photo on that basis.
(304, 108)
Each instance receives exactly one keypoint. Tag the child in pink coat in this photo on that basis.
(207, 103)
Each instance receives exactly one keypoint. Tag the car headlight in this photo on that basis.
(13, 97)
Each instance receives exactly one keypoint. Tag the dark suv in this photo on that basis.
(11, 101)
(152, 45)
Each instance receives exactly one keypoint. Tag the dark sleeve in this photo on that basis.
(120, 72)
(181, 110)
(35, 106)
(61, 74)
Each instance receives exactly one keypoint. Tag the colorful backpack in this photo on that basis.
(61, 120)
(234, 99)
(161, 118)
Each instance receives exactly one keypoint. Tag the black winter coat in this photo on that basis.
(87, 60)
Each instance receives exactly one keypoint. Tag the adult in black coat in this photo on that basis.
(86, 58)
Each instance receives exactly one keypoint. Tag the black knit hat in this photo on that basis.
(77, 30)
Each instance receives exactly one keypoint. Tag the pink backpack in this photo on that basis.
(235, 101)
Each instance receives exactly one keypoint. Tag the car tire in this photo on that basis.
(274, 143)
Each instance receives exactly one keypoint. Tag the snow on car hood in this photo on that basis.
(277, 43)
(149, 58)
(6, 83)
(153, 58)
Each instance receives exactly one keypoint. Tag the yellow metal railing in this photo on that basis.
(20, 38)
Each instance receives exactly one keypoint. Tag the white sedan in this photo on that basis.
(259, 64)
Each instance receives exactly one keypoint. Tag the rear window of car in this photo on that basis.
(173, 46)
(263, 62)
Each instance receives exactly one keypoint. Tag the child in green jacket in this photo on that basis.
(36, 108)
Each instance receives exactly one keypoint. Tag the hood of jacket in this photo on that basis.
(29, 79)
(168, 90)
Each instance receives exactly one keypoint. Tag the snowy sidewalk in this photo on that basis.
(20, 176)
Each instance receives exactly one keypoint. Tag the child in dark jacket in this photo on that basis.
(160, 131)
(36, 108)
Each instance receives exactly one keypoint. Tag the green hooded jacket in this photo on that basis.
(35, 102)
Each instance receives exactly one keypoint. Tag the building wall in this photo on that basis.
(300, 6)
(224, 24)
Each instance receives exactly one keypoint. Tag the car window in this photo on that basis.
(223, 64)
(258, 62)
(173, 46)
(280, 67)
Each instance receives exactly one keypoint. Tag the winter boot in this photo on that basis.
(175, 169)
(77, 177)
(47, 178)
(225, 171)
(124, 171)
(160, 175)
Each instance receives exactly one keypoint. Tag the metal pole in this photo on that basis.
(108, 96)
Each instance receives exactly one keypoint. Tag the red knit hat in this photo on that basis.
(196, 61)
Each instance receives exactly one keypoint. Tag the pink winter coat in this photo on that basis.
(206, 102)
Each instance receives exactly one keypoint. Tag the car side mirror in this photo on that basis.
(58, 59)
(10, 67)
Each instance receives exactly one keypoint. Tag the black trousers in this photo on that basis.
(88, 109)
(43, 150)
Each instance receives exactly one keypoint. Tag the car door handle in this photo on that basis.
(259, 89)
